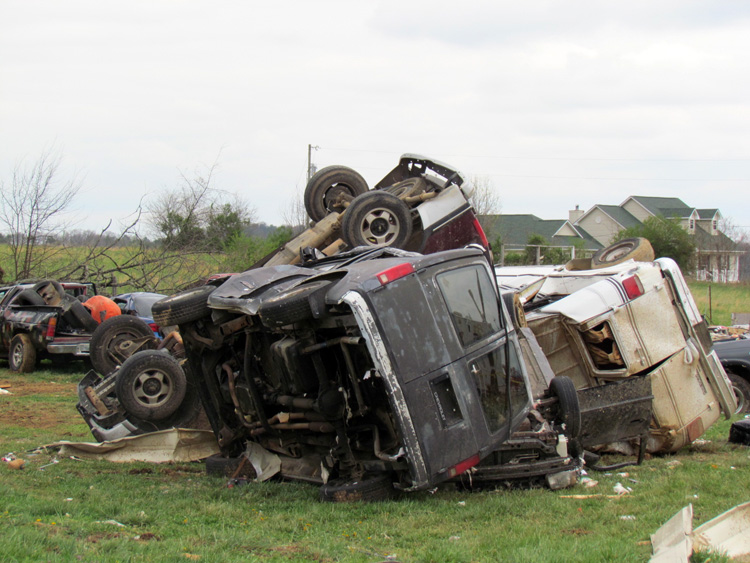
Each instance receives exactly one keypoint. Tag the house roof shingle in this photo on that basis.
(657, 205)
(620, 215)
(515, 230)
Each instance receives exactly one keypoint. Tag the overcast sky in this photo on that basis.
(557, 103)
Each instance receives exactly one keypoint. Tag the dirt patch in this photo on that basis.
(19, 413)
(577, 532)
(96, 538)
(23, 388)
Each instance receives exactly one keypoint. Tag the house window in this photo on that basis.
(714, 225)
(691, 225)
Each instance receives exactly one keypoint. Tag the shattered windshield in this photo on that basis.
(471, 301)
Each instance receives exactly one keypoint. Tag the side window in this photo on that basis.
(495, 375)
(472, 303)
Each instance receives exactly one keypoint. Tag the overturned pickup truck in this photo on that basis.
(367, 372)
(629, 335)
(44, 320)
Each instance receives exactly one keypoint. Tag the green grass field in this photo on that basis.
(100, 511)
(718, 301)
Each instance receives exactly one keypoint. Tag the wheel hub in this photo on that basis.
(152, 386)
(336, 196)
(379, 227)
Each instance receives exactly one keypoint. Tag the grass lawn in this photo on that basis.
(717, 301)
(102, 511)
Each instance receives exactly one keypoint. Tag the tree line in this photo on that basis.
(193, 227)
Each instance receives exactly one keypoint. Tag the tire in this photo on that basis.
(371, 488)
(79, 316)
(184, 307)
(58, 288)
(638, 249)
(328, 185)
(292, 306)
(376, 218)
(515, 309)
(741, 390)
(151, 385)
(110, 343)
(189, 414)
(407, 188)
(22, 354)
(28, 297)
(568, 408)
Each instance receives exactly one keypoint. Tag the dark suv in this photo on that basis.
(374, 370)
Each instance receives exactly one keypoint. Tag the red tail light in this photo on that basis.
(51, 327)
(480, 232)
(633, 287)
(394, 273)
(463, 466)
(154, 327)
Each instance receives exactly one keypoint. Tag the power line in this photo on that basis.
(559, 158)
(616, 178)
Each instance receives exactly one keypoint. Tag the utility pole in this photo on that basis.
(311, 168)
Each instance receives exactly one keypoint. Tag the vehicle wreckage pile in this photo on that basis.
(381, 351)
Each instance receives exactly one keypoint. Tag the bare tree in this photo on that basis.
(33, 207)
(294, 214)
(33, 204)
(730, 228)
(486, 202)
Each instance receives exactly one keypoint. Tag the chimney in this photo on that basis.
(574, 215)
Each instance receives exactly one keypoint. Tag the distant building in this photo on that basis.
(717, 256)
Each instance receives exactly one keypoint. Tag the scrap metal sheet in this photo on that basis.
(174, 445)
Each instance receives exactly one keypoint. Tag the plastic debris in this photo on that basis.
(620, 490)
(53, 462)
(17, 463)
(627, 517)
(111, 523)
(728, 534)
(588, 482)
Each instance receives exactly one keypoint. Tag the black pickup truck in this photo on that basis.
(44, 319)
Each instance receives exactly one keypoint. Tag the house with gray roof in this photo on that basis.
(717, 256)
(514, 231)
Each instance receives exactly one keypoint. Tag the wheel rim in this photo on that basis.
(617, 252)
(380, 226)
(741, 399)
(336, 195)
(153, 387)
(120, 348)
(17, 354)
(407, 188)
